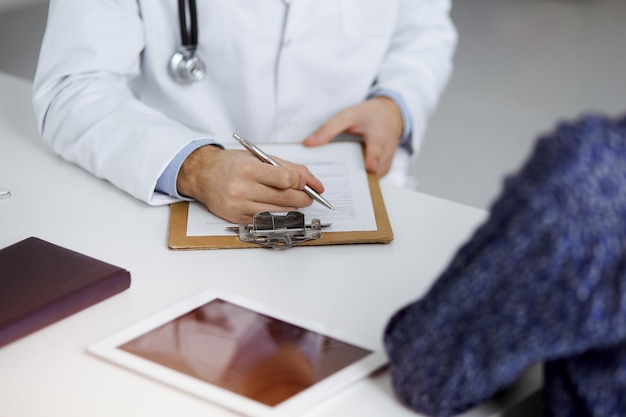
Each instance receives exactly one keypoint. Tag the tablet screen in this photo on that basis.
(243, 351)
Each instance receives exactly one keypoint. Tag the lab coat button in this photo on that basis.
(286, 43)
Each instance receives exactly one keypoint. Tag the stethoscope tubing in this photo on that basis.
(188, 34)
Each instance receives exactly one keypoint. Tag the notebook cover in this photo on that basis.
(42, 283)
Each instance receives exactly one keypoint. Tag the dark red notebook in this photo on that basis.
(42, 283)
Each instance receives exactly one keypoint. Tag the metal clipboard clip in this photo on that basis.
(279, 230)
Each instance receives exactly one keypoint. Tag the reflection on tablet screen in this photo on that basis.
(252, 354)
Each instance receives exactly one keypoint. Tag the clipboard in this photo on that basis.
(179, 212)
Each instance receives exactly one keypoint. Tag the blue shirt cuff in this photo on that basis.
(405, 139)
(167, 181)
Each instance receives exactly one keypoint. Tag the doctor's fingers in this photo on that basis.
(279, 199)
(379, 153)
(348, 120)
(279, 186)
(306, 177)
(243, 198)
(382, 132)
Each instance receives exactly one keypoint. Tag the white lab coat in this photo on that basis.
(275, 71)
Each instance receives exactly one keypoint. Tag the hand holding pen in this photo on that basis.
(256, 151)
(234, 186)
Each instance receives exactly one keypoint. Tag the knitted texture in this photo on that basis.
(542, 280)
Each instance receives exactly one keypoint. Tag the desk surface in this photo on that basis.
(354, 287)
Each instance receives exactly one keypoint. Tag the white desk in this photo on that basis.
(357, 287)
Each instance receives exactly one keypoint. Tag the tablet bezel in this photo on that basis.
(109, 349)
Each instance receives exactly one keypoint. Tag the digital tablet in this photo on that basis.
(242, 355)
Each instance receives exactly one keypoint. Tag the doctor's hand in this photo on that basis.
(235, 185)
(378, 120)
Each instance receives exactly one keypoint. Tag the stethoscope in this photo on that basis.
(185, 67)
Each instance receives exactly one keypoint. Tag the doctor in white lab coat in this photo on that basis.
(276, 71)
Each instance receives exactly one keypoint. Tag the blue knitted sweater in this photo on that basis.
(543, 280)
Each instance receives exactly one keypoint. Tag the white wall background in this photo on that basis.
(521, 67)
(8, 5)
(22, 24)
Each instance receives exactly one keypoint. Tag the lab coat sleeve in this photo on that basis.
(84, 101)
(418, 64)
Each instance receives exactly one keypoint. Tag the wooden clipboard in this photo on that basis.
(179, 212)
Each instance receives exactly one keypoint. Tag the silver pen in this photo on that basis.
(256, 151)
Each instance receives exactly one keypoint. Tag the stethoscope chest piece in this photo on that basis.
(185, 67)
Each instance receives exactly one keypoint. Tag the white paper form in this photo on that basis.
(339, 166)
